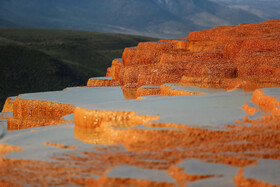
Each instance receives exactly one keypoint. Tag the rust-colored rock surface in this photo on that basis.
(221, 129)
(226, 57)
(93, 82)
(95, 118)
(266, 102)
(240, 180)
(166, 90)
(161, 150)
(33, 109)
(36, 113)
(249, 109)
(114, 72)
(148, 90)
(60, 145)
(5, 149)
(8, 106)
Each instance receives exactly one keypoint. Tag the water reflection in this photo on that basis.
(97, 136)
(130, 149)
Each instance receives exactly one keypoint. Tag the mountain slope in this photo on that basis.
(160, 18)
(266, 9)
(33, 60)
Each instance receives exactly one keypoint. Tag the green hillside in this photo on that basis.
(33, 60)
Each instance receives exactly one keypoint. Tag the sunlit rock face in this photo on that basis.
(245, 55)
(8, 106)
(190, 112)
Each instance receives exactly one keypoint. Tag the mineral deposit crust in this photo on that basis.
(247, 53)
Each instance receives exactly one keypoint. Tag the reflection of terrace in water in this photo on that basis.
(206, 132)
(148, 146)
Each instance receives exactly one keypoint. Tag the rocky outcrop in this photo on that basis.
(94, 118)
(166, 90)
(228, 127)
(148, 90)
(101, 82)
(267, 102)
(244, 56)
(35, 113)
(5, 149)
(8, 106)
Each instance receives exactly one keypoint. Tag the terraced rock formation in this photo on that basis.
(244, 56)
(170, 113)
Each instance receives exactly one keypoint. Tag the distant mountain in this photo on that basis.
(159, 18)
(266, 9)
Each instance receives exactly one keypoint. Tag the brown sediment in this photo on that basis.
(97, 136)
(92, 82)
(247, 143)
(235, 145)
(60, 145)
(261, 135)
(222, 57)
(201, 141)
(249, 110)
(266, 103)
(6, 183)
(95, 118)
(108, 73)
(115, 69)
(21, 123)
(225, 83)
(241, 181)
(21, 172)
(33, 109)
(5, 149)
(129, 93)
(166, 90)
(141, 97)
(8, 106)
(212, 82)
(182, 178)
(5, 116)
(246, 56)
(146, 91)
(107, 181)
(63, 171)
(207, 144)
(202, 144)
(34, 113)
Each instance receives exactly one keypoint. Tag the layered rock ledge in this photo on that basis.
(244, 56)
(208, 116)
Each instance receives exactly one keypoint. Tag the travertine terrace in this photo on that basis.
(245, 56)
(199, 111)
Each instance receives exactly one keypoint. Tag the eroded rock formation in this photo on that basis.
(160, 134)
(32, 113)
(233, 56)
